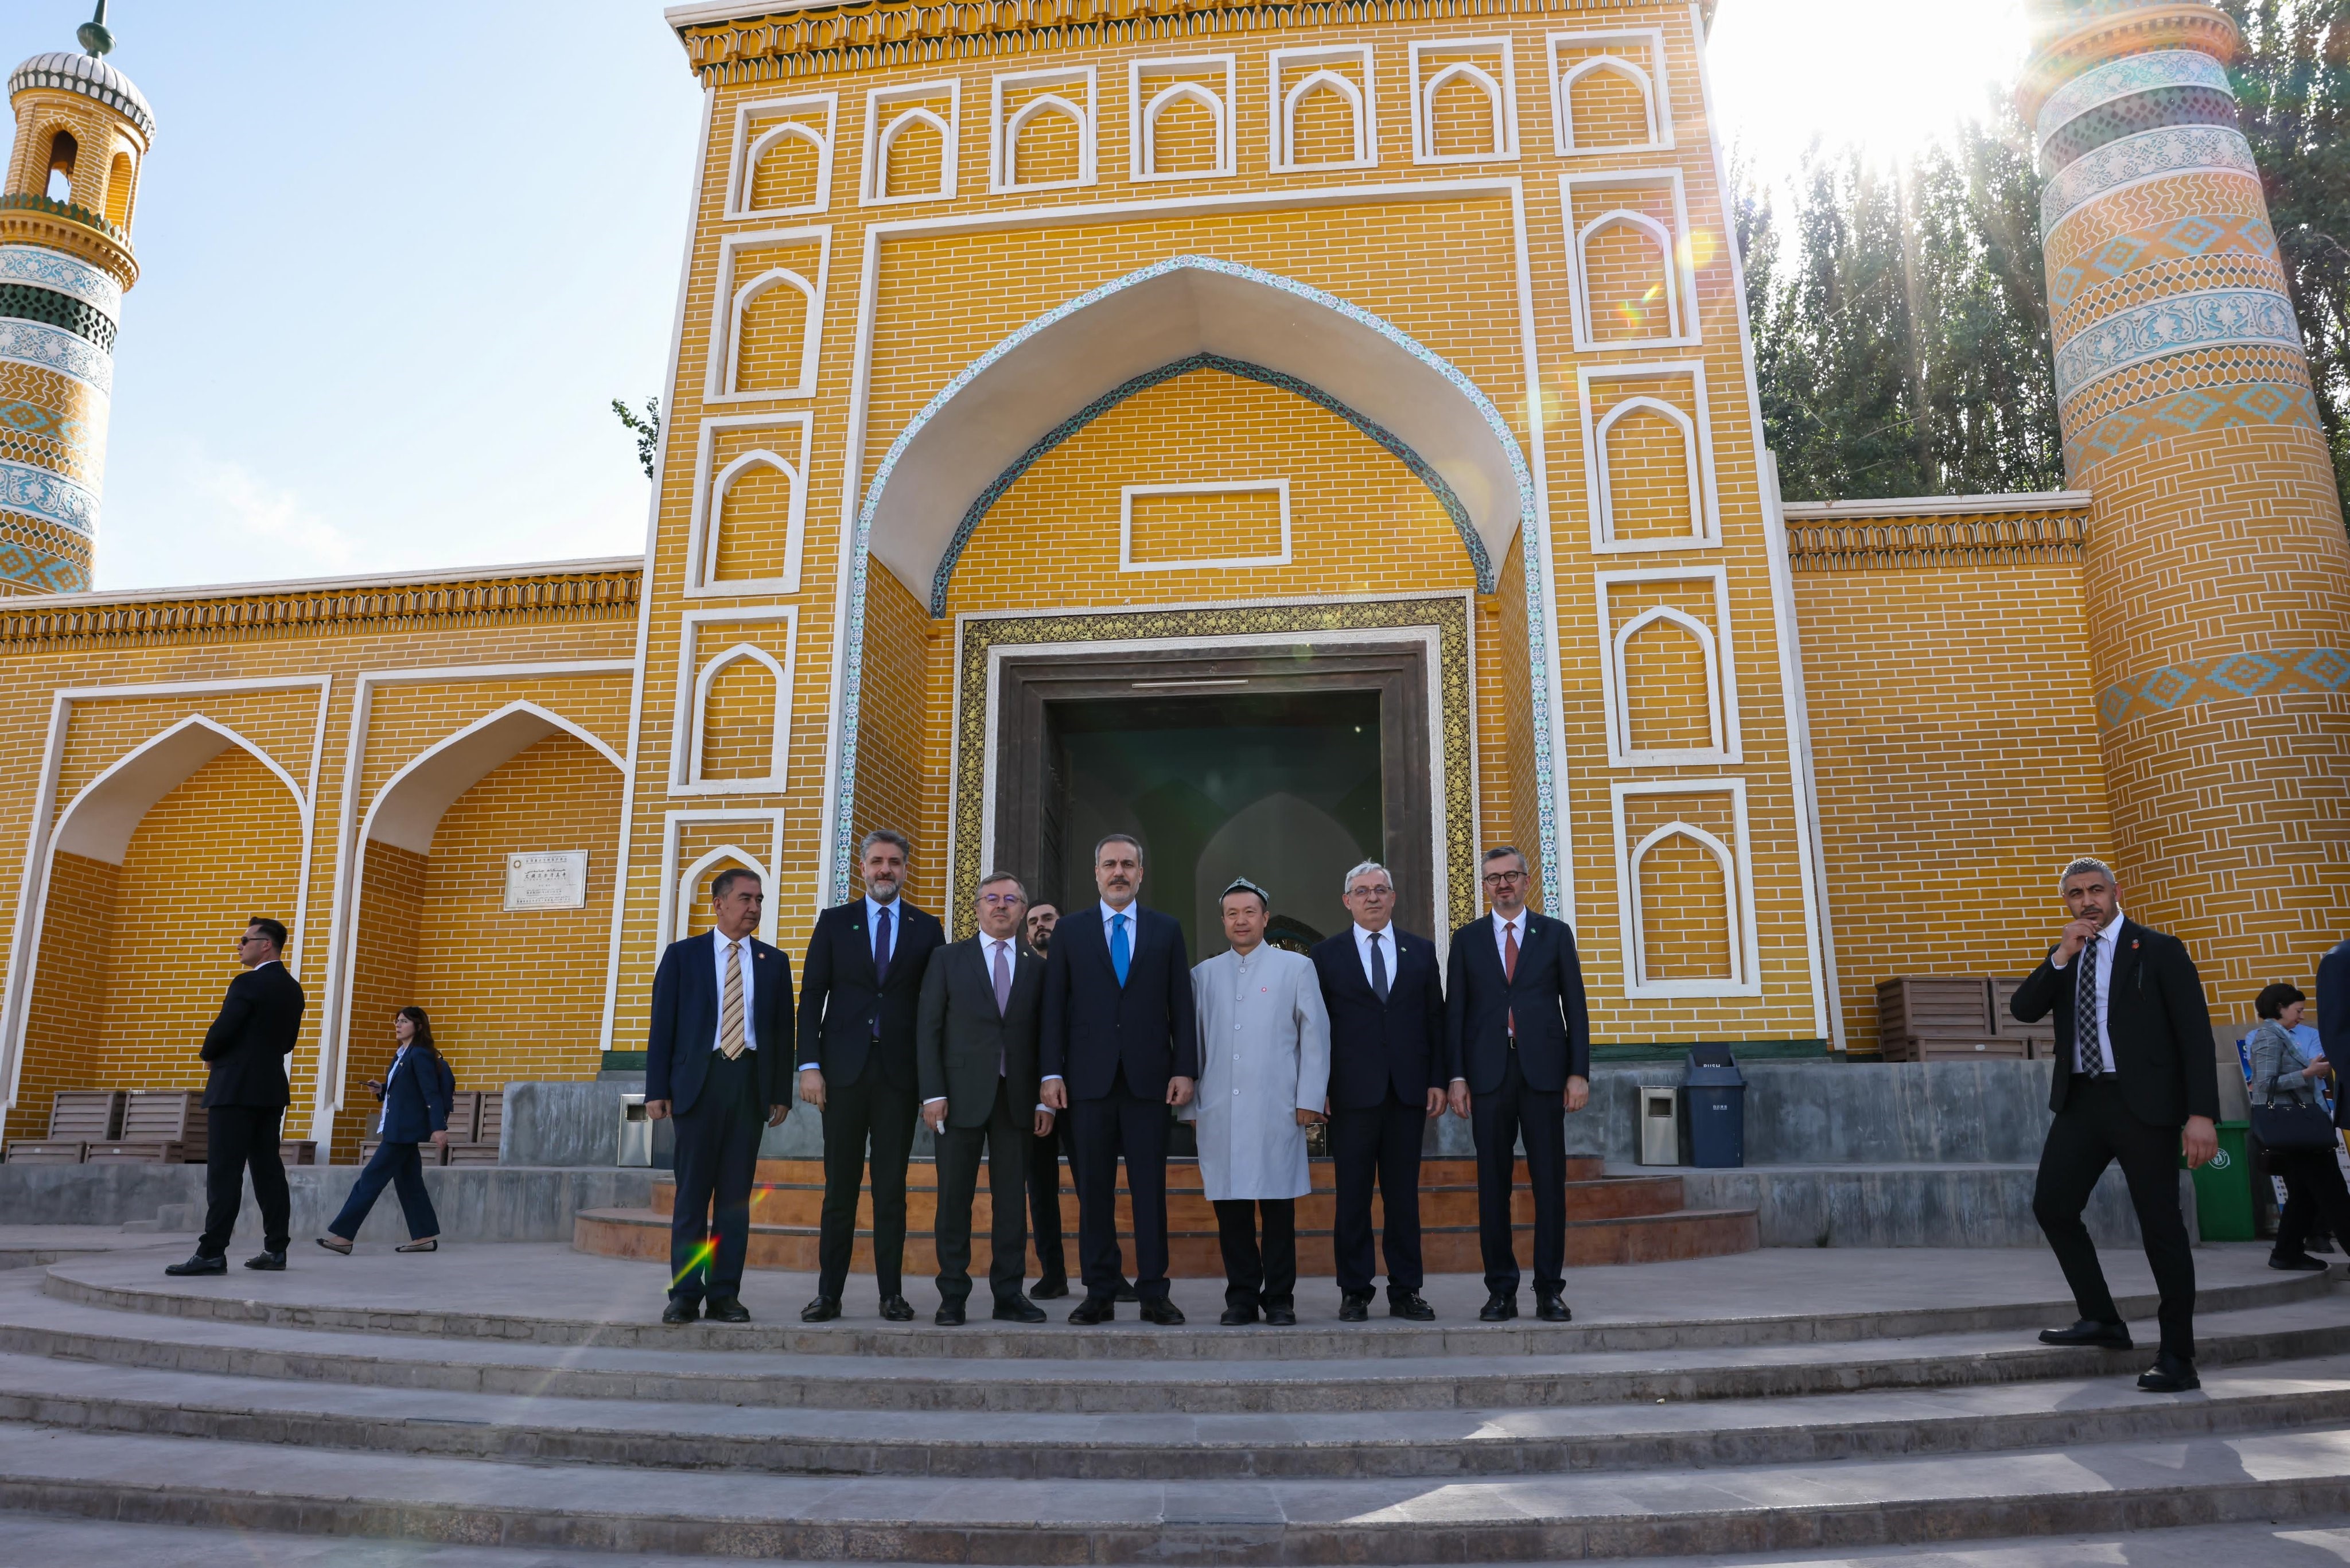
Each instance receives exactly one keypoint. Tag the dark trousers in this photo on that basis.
(2315, 1197)
(872, 1111)
(1254, 1277)
(1497, 1121)
(1378, 1144)
(402, 1165)
(2094, 1129)
(717, 1161)
(1005, 1137)
(1121, 1123)
(1045, 1200)
(238, 1136)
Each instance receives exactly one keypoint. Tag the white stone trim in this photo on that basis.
(1720, 668)
(1652, 78)
(1279, 488)
(1696, 432)
(743, 162)
(719, 380)
(702, 531)
(1142, 118)
(1501, 93)
(1004, 132)
(1284, 96)
(1737, 863)
(1680, 270)
(676, 885)
(879, 135)
(685, 743)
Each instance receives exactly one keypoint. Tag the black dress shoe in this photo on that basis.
(268, 1262)
(1498, 1308)
(199, 1265)
(2089, 1331)
(1163, 1311)
(1410, 1305)
(824, 1309)
(1126, 1291)
(1354, 1306)
(2169, 1374)
(948, 1315)
(1553, 1309)
(1235, 1316)
(1281, 1316)
(895, 1309)
(2299, 1263)
(1095, 1309)
(1051, 1287)
(1018, 1309)
(726, 1309)
(681, 1309)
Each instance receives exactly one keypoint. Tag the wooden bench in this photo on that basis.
(77, 1118)
(1943, 1017)
(479, 1144)
(160, 1127)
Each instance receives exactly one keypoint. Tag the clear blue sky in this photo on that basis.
(398, 260)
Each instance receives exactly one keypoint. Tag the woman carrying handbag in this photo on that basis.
(416, 1096)
(2297, 1134)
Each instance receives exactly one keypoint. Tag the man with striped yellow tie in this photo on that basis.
(721, 1042)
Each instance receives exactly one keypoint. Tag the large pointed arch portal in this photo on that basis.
(1043, 382)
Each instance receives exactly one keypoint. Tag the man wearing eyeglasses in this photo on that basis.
(1520, 1037)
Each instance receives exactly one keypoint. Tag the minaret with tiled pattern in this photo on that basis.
(82, 131)
(2218, 575)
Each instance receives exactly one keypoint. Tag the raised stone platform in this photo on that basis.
(1620, 1218)
(521, 1397)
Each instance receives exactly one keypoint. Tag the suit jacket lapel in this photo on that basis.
(2125, 957)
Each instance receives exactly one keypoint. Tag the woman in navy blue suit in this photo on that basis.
(416, 1096)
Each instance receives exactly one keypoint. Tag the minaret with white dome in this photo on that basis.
(81, 140)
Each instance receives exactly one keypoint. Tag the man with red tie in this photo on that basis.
(1520, 1037)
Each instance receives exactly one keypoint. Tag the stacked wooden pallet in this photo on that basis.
(1942, 1018)
(476, 1118)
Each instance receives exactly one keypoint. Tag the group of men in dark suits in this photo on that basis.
(1076, 1034)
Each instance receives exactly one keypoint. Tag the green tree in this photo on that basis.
(646, 427)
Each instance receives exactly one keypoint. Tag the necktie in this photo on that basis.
(1378, 967)
(730, 1011)
(2085, 1012)
(1121, 956)
(881, 943)
(1510, 967)
(1002, 999)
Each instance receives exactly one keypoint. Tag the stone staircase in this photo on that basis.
(1610, 1219)
(369, 1398)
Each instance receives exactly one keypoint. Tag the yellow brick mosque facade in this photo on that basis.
(1087, 412)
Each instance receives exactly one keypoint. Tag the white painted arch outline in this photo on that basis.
(484, 740)
(906, 118)
(1713, 704)
(682, 905)
(779, 743)
(1468, 70)
(1699, 532)
(1323, 77)
(1007, 177)
(1731, 900)
(1620, 66)
(757, 457)
(798, 132)
(1666, 270)
(743, 296)
(1147, 156)
(140, 778)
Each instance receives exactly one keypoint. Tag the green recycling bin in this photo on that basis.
(2223, 1188)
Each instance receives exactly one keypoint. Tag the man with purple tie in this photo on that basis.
(864, 980)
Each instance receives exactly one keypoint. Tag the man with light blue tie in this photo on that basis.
(1119, 1045)
(864, 983)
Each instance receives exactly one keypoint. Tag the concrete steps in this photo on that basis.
(421, 1399)
(1610, 1219)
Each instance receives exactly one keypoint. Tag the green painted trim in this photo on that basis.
(624, 1062)
(1746, 1049)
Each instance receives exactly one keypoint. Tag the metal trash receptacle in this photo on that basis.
(1714, 1097)
(1661, 1125)
(636, 1132)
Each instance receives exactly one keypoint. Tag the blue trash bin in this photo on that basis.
(1713, 1101)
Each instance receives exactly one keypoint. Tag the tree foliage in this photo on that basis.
(645, 427)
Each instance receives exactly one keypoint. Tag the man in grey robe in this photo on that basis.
(1264, 1068)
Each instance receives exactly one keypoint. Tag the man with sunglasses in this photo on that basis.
(1520, 1037)
(245, 1095)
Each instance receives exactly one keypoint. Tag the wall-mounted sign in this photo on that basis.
(553, 879)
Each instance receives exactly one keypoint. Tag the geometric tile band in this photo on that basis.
(2199, 370)
(977, 511)
(2224, 197)
(30, 302)
(2164, 106)
(53, 349)
(2236, 241)
(2166, 280)
(51, 497)
(51, 573)
(2132, 73)
(2185, 413)
(2223, 678)
(2150, 154)
(2199, 320)
(64, 274)
(21, 417)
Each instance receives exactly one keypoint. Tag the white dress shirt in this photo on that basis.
(1502, 929)
(987, 950)
(872, 923)
(397, 1057)
(1386, 940)
(2108, 940)
(718, 946)
(1109, 929)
